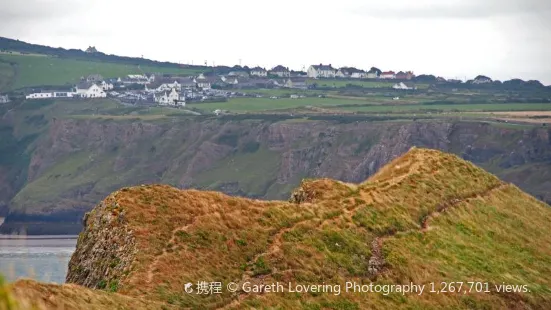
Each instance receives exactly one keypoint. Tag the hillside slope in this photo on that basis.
(57, 160)
(425, 217)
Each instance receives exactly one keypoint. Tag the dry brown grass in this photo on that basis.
(31, 295)
(426, 216)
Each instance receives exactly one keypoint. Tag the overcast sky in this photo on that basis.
(454, 38)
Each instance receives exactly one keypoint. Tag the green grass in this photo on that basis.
(363, 83)
(35, 71)
(7, 75)
(33, 116)
(408, 108)
(255, 172)
(265, 104)
(372, 104)
(73, 171)
(280, 91)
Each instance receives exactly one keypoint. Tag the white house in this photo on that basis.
(51, 94)
(239, 73)
(359, 75)
(230, 80)
(63, 94)
(135, 79)
(203, 83)
(260, 72)
(4, 99)
(388, 75)
(41, 95)
(169, 86)
(166, 97)
(481, 79)
(297, 82)
(351, 73)
(90, 90)
(321, 71)
(281, 71)
(372, 75)
(150, 77)
(404, 86)
(106, 86)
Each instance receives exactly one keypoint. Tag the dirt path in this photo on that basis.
(377, 261)
(275, 246)
(153, 265)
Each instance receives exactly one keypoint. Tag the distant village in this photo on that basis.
(173, 90)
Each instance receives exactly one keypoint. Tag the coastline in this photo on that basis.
(37, 237)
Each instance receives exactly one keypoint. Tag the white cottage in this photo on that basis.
(321, 71)
(229, 80)
(106, 86)
(281, 71)
(4, 99)
(169, 86)
(203, 83)
(167, 97)
(481, 79)
(90, 90)
(51, 94)
(404, 86)
(257, 71)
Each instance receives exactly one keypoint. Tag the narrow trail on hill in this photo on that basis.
(377, 262)
(274, 247)
(153, 265)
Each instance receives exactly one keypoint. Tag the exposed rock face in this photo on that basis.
(105, 249)
(78, 162)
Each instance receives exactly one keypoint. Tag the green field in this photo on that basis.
(243, 105)
(459, 107)
(265, 104)
(7, 75)
(279, 91)
(363, 83)
(32, 70)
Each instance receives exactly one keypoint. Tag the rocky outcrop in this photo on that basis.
(106, 247)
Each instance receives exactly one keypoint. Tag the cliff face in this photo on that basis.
(77, 162)
(425, 217)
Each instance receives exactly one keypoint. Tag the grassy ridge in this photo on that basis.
(425, 217)
(35, 70)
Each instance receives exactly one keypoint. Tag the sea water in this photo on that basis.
(43, 258)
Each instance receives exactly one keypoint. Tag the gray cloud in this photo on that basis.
(17, 11)
(464, 10)
(45, 17)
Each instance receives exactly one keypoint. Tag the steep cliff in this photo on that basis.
(75, 162)
(426, 217)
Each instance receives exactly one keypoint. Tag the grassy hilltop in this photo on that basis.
(425, 217)
(18, 71)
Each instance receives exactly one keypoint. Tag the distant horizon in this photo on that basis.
(214, 64)
(502, 39)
